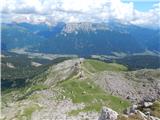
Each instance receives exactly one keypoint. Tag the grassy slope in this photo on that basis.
(155, 109)
(97, 66)
(27, 112)
(85, 91)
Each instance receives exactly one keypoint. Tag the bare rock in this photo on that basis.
(154, 118)
(131, 110)
(108, 114)
(141, 115)
(147, 104)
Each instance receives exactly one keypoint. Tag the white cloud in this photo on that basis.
(78, 10)
(150, 18)
(122, 10)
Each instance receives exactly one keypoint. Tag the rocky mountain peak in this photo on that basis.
(84, 26)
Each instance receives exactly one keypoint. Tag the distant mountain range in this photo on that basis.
(80, 38)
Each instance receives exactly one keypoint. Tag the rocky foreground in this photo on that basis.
(109, 114)
(78, 90)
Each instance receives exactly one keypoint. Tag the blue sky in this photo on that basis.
(143, 5)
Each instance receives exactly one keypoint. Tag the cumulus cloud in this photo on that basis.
(77, 11)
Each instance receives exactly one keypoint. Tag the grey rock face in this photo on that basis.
(130, 85)
(108, 114)
(62, 71)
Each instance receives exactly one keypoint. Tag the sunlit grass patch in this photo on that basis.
(85, 91)
(97, 66)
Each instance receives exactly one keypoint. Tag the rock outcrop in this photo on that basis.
(63, 71)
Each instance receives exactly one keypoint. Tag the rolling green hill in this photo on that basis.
(95, 66)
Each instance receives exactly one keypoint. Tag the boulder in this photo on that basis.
(108, 114)
(147, 104)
